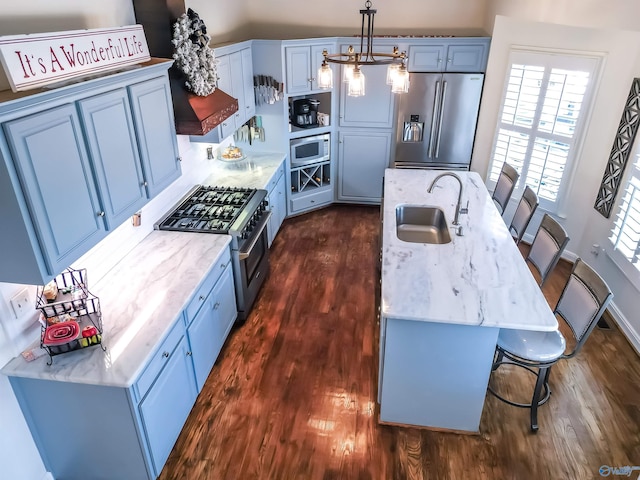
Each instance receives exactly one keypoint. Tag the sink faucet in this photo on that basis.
(458, 209)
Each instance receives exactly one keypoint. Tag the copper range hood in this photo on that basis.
(194, 115)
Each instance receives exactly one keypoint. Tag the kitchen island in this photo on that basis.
(442, 305)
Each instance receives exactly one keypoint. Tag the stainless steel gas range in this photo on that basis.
(242, 213)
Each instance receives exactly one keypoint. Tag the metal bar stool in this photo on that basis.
(504, 188)
(582, 302)
(547, 246)
(524, 213)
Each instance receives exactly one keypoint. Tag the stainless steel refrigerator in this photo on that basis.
(437, 120)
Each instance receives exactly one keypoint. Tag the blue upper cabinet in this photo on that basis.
(116, 162)
(76, 162)
(454, 55)
(153, 115)
(57, 182)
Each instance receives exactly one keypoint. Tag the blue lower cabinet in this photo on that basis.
(168, 403)
(211, 325)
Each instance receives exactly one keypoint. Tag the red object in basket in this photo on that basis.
(60, 333)
(89, 331)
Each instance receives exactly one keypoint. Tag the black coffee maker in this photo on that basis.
(304, 113)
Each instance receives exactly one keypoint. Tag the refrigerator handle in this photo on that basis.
(441, 114)
(434, 119)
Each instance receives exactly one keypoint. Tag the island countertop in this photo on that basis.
(477, 279)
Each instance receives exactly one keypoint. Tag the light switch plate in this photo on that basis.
(21, 303)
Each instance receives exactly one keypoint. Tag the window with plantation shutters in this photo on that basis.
(625, 234)
(546, 98)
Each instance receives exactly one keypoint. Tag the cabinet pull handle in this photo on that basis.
(165, 354)
(101, 214)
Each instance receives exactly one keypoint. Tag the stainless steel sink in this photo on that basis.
(421, 224)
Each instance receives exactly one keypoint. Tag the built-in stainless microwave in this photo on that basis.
(308, 150)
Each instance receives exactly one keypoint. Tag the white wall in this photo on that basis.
(226, 20)
(617, 14)
(295, 19)
(619, 49)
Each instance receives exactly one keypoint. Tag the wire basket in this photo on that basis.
(70, 314)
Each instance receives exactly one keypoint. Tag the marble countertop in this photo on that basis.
(254, 171)
(477, 279)
(141, 298)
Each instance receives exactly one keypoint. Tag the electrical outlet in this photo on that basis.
(21, 303)
(595, 249)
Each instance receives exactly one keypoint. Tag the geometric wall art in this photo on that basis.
(622, 146)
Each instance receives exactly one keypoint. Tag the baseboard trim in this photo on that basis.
(624, 326)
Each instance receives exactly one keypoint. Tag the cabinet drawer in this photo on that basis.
(205, 287)
(312, 200)
(274, 179)
(159, 359)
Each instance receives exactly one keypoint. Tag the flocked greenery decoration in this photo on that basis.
(193, 55)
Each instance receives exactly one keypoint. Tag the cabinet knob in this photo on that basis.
(179, 159)
(189, 354)
(216, 305)
(449, 59)
(165, 354)
(222, 267)
(145, 184)
(101, 214)
(201, 298)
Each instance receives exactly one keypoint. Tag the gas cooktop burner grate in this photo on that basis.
(209, 209)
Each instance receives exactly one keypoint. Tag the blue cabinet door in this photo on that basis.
(211, 326)
(57, 182)
(363, 157)
(167, 405)
(153, 116)
(114, 149)
(361, 111)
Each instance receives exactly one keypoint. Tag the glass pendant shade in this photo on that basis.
(348, 73)
(356, 84)
(400, 82)
(325, 76)
(392, 70)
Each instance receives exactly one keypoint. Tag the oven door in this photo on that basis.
(253, 267)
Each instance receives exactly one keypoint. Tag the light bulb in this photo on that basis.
(392, 71)
(356, 84)
(325, 76)
(400, 80)
(348, 73)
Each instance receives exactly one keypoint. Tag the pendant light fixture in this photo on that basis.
(352, 61)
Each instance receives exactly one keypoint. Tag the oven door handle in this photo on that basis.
(243, 255)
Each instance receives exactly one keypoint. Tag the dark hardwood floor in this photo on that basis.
(293, 394)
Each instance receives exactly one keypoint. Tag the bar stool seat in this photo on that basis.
(539, 347)
(583, 300)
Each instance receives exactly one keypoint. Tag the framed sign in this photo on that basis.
(32, 61)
